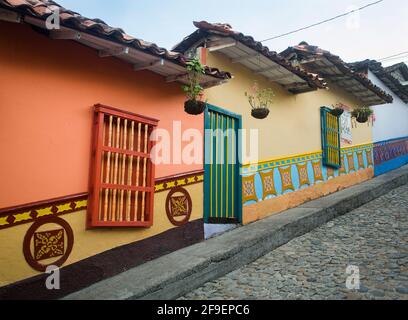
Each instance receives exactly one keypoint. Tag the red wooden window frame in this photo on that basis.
(121, 192)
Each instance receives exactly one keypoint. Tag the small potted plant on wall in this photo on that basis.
(362, 114)
(193, 90)
(260, 101)
(337, 110)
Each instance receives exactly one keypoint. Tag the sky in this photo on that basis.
(376, 32)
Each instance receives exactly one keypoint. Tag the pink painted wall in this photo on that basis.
(47, 92)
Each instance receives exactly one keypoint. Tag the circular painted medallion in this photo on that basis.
(179, 206)
(48, 241)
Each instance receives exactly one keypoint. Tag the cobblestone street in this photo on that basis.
(373, 238)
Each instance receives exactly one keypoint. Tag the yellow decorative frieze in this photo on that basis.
(22, 217)
(181, 182)
(178, 181)
(66, 205)
(81, 204)
(299, 158)
(44, 212)
(3, 221)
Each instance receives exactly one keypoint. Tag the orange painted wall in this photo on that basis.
(47, 91)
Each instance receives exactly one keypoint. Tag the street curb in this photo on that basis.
(180, 272)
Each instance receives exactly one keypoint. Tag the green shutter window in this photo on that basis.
(330, 138)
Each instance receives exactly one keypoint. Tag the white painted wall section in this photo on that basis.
(391, 119)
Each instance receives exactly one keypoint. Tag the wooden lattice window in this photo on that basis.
(330, 138)
(122, 180)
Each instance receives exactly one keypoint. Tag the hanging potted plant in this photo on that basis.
(337, 110)
(362, 114)
(193, 90)
(260, 101)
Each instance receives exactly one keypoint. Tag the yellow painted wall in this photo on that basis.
(87, 243)
(293, 125)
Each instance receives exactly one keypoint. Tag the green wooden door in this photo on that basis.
(222, 179)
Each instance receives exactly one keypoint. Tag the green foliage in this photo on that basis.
(260, 98)
(363, 111)
(195, 69)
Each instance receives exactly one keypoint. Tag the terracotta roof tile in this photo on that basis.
(402, 67)
(43, 8)
(205, 28)
(384, 75)
(304, 51)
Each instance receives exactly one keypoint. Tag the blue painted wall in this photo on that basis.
(389, 149)
(390, 165)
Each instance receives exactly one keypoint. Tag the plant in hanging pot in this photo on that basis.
(362, 114)
(337, 110)
(260, 101)
(193, 90)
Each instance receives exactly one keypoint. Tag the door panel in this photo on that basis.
(222, 198)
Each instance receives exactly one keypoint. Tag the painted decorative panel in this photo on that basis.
(370, 162)
(390, 155)
(268, 184)
(388, 150)
(303, 175)
(50, 246)
(318, 172)
(280, 176)
(342, 169)
(360, 160)
(350, 160)
(248, 189)
(286, 178)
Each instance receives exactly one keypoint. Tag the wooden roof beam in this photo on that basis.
(9, 16)
(60, 34)
(350, 89)
(216, 45)
(324, 70)
(148, 65)
(280, 78)
(177, 77)
(246, 57)
(274, 68)
(114, 52)
(213, 83)
(295, 86)
(310, 60)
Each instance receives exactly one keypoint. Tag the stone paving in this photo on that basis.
(373, 237)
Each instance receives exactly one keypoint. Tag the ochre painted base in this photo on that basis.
(107, 264)
(87, 243)
(276, 205)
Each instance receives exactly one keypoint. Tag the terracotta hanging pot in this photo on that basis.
(337, 112)
(260, 113)
(194, 107)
